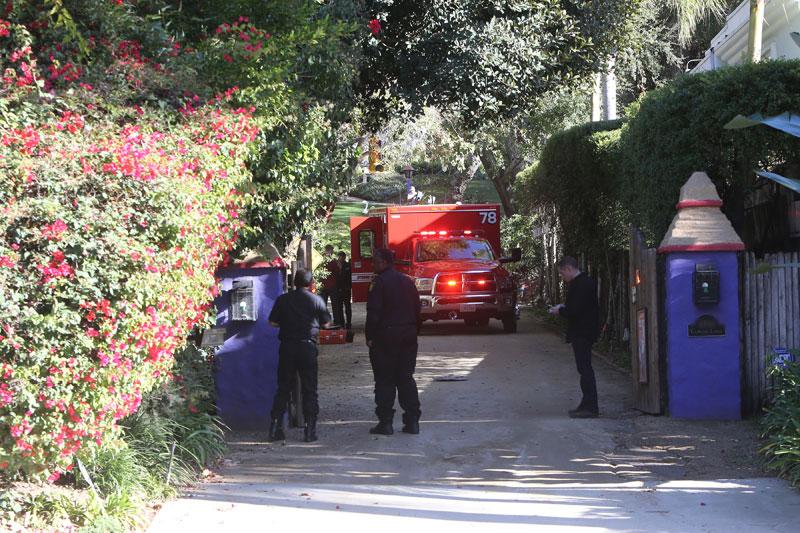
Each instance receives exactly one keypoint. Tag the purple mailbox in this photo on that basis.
(702, 306)
(245, 370)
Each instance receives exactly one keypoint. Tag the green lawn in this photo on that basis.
(345, 210)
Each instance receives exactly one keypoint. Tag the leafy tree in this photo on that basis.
(485, 59)
(294, 62)
(434, 139)
(664, 38)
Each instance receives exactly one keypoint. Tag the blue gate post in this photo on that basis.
(246, 365)
(702, 307)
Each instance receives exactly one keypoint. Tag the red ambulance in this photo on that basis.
(452, 252)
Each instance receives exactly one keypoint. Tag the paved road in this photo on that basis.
(496, 453)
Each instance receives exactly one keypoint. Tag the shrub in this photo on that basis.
(113, 222)
(781, 423)
(577, 174)
(381, 188)
(678, 129)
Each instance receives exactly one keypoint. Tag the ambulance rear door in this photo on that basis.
(366, 235)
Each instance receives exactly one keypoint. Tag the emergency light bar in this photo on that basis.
(444, 233)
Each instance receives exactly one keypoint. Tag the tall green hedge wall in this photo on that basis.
(678, 129)
(577, 175)
(606, 174)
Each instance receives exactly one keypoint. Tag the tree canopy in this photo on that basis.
(485, 59)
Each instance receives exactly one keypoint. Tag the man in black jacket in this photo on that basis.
(582, 314)
(393, 309)
(299, 314)
(343, 311)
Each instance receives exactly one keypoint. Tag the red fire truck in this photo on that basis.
(452, 252)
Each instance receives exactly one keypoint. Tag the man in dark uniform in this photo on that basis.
(582, 314)
(393, 309)
(328, 281)
(343, 312)
(298, 314)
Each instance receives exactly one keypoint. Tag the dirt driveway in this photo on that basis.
(495, 449)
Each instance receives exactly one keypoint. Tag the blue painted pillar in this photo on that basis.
(701, 307)
(246, 365)
(703, 362)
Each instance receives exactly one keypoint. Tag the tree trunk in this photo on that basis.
(502, 178)
(459, 181)
(610, 91)
(505, 197)
(596, 97)
(755, 32)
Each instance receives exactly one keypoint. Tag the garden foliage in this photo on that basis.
(781, 423)
(582, 187)
(678, 129)
(120, 195)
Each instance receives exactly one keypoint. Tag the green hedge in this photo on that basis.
(577, 175)
(381, 188)
(678, 129)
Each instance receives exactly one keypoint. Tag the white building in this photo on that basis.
(781, 37)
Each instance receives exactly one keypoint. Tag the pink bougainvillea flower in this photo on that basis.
(375, 26)
(52, 232)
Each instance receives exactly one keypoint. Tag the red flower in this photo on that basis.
(53, 231)
(375, 26)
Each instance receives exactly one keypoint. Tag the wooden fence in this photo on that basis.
(771, 303)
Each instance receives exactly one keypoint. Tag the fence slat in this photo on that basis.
(763, 285)
(781, 272)
(753, 387)
(794, 288)
(750, 390)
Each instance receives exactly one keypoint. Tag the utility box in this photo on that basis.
(246, 365)
(705, 283)
(701, 307)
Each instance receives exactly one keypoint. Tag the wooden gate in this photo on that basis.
(645, 362)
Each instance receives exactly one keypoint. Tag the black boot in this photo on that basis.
(382, 428)
(310, 432)
(410, 424)
(276, 430)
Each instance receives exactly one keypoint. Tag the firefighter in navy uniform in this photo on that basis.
(298, 314)
(393, 310)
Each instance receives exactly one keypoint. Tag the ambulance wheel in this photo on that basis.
(510, 322)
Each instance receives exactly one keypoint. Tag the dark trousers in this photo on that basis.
(343, 310)
(583, 360)
(296, 357)
(334, 297)
(393, 362)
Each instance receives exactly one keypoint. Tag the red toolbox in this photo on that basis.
(333, 336)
